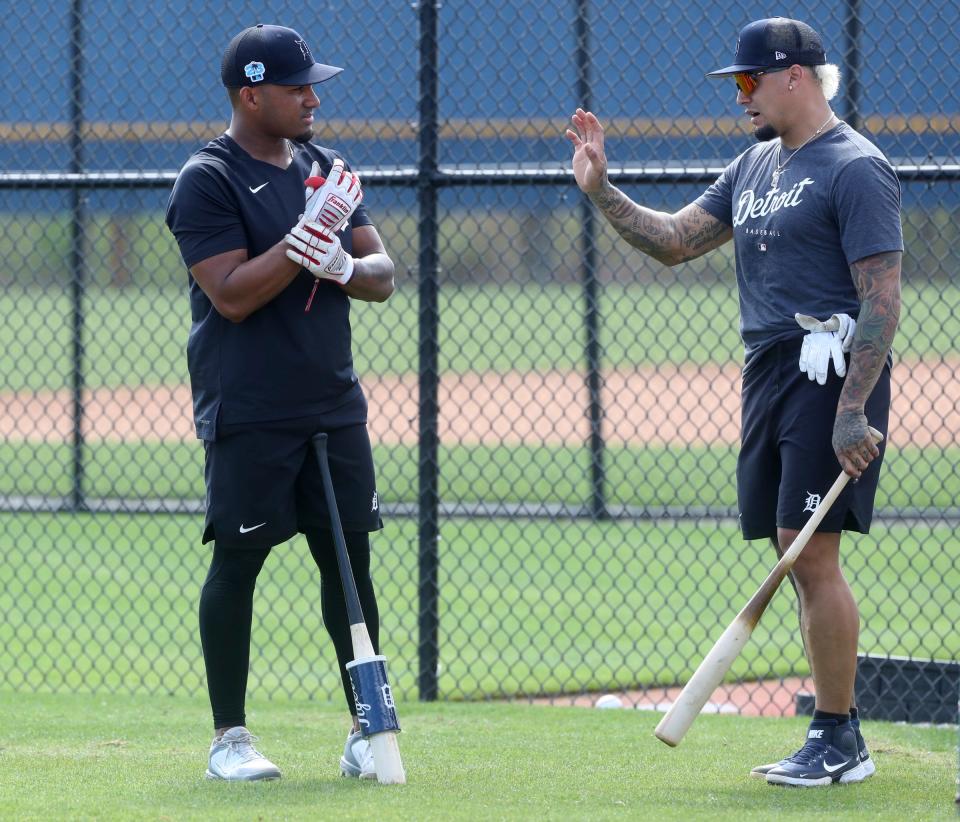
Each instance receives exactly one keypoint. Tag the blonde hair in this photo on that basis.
(828, 78)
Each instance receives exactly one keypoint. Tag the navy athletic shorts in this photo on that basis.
(264, 483)
(786, 461)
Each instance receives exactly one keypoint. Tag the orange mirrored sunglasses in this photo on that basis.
(747, 81)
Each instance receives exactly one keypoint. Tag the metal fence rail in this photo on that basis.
(555, 449)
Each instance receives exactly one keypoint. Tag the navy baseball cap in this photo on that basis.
(271, 54)
(776, 42)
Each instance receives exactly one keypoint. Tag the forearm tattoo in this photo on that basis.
(668, 238)
(877, 280)
(644, 229)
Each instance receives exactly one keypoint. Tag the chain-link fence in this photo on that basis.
(555, 416)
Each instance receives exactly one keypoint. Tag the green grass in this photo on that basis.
(137, 335)
(635, 476)
(111, 758)
(109, 602)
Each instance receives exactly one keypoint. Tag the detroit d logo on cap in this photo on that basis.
(254, 71)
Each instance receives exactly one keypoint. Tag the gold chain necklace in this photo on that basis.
(775, 179)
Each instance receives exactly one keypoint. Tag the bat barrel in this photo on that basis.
(386, 757)
(702, 684)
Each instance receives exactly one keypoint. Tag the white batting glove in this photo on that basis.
(828, 339)
(848, 325)
(317, 249)
(331, 200)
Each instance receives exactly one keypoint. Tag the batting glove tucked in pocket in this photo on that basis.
(826, 340)
(318, 250)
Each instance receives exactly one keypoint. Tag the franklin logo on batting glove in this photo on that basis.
(331, 200)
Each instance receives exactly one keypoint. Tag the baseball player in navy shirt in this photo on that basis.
(277, 243)
(813, 210)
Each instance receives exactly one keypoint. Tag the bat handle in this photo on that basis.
(354, 611)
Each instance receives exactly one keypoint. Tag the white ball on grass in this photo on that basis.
(608, 701)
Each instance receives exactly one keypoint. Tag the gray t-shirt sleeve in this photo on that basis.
(866, 196)
(717, 200)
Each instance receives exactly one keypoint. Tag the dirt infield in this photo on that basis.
(775, 697)
(665, 405)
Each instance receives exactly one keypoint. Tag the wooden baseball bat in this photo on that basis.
(709, 675)
(386, 752)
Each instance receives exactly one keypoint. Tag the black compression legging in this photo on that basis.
(226, 613)
(332, 604)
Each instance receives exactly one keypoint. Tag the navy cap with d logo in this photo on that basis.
(776, 42)
(271, 54)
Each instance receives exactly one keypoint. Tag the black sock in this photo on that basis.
(820, 716)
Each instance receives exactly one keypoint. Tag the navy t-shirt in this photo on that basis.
(280, 362)
(838, 201)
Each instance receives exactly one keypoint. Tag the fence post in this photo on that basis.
(588, 235)
(851, 65)
(428, 468)
(77, 261)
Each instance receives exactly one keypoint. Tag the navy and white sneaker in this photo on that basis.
(866, 763)
(869, 768)
(829, 755)
(762, 770)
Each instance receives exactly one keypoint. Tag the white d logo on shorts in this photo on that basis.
(813, 500)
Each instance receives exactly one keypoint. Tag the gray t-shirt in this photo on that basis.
(838, 201)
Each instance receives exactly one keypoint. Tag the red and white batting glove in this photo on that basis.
(331, 200)
(318, 250)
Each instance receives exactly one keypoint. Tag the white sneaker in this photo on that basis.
(357, 759)
(233, 757)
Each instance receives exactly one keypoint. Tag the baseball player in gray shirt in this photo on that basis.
(813, 210)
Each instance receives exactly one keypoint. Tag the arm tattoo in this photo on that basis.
(877, 280)
(669, 238)
(700, 232)
(643, 228)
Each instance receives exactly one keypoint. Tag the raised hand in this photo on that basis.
(589, 159)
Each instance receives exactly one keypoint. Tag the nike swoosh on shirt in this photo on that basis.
(251, 528)
(255, 190)
(832, 768)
